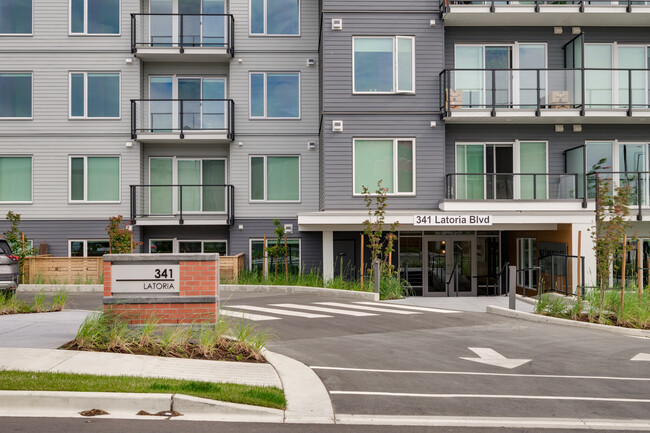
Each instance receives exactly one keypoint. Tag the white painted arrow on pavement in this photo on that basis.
(492, 357)
(642, 357)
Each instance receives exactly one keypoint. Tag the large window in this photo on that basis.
(15, 179)
(384, 65)
(257, 254)
(94, 179)
(15, 17)
(219, 247)
(526, 261)
(389, 160)
(275, 17)
(94, 95)
(15, 95)
(275, 178)
(88, 248)
(275, 95)
(95, 17)
(161, 246)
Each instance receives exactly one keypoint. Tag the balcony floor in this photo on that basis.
(191, 55)
(188, 220)
(200, 137)
(547, 116)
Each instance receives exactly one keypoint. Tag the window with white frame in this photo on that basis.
(526, 261)
(15, 95)
(95, 179)
(207, 246)
(384, 64)
(275, 95)
(257, 256)
(15, 179)
(274, 178)
(15, 17)
(95, 95)
(88, 248)
(389, 160)
(161, 246)
(95, 17)
(275, 17)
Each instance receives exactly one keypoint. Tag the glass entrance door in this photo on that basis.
(450, 265)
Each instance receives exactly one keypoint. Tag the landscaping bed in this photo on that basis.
(11, 380)
(41, 303)
(223, 341)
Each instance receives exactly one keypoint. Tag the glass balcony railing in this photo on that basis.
(635, 183)
(512, 186)
(183, 202)
(448, 5)
(182, 31)
(544, 89)
(182, 116)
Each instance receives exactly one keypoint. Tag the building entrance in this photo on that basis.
(449, 265)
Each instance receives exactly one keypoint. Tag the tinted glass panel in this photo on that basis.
(163, 246)
(283, 17)
(16, 95)
(214, 197)
(373, 65)
(104, 16)
(77, 91)
(15, 179)
(257, 178)
(77, 178)
(189, 247)
(103, 95)
(97, 248)
(257, 16)
(405, 64)
(76, 248)
(404, 166)
(77, 14)
(214, 247)
(257, 95)
(160, 196)
(103, 179)
(283, 178)
(373, 161)
(283, 95)
(16, 16)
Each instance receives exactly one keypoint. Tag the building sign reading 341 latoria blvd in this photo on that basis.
(159, 278)
(452, 220)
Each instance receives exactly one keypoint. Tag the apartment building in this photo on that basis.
(197, 120)
(486, 121)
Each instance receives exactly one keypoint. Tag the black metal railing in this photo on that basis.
(556, 273)
(165, 116)
(512, 186)
(548, 89)
(181, 31)
(182, 201)
(637, 184)
(446, 5)
(453, 277)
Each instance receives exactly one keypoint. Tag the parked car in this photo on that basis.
(9, 269)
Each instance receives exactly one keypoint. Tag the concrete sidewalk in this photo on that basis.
(40, 330)
(471, 304)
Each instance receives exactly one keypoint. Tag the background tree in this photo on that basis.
(279, 249)
(119, 237)
(14, 238)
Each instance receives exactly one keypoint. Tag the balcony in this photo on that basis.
(586, 95)
(159, 37)
(183, 120)
(206, 204)
(637, 183)
(507, 191)
(545, 13)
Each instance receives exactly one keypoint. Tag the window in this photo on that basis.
(88, 248)
(15, 17)
(161, 246)
(275, 17)
(218, 247)
(15, 95)
(257, 256)
(94, 179)
(275, 95)
(95, 17)
(526, 260)
(388, 160)
(384, 65)
(15, 179)
(275, 178)
(95, 95)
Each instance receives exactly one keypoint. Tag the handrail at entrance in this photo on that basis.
(453, 273)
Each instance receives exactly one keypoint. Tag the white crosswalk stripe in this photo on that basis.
(365, 308)
(247, 316)
(409, 307)
(325, 310)
(280, 312)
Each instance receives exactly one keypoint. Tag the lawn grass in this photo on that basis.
(11, 380)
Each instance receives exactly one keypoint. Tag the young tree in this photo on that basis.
(278, 250)
(119, 237)
(14, 238)
(381, 247)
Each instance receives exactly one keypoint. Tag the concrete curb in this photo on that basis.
(531, 317)
(307, 398)
(318, 291)
(55, 287)
(125, 405)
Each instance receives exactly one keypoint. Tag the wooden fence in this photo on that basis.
(90, 270)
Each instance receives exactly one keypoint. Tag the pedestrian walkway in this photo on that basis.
(326, 310)
(40, 330)
(118, 364)
(470, 304)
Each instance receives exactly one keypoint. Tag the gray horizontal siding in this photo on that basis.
(337, 62)
(337, 158)
(380, 5)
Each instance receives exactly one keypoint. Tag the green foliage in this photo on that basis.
(380, 246)
(119, 237)
(14, 238)
(11, 304)
(279, 250)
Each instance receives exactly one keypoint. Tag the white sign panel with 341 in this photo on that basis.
(452, 220)
(155, 279)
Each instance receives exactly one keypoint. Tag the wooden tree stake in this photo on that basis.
(362, 265)
(264, 260)
(639, 265)
(579, 265)
(286, 259)
(623, 273)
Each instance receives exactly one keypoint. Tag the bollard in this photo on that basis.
(376, 275)
(512, 287)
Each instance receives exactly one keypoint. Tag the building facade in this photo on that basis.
(202, 121)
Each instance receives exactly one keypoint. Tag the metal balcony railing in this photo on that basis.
(537, 89)
(512, 186)
(181, 31)
(181, 116)
(182, 201)
(637, 184)
(446, 5)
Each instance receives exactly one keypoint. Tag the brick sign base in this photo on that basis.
(173, 288)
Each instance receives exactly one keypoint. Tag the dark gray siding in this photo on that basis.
(429, 158)
(337, 62)
(380, 5)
